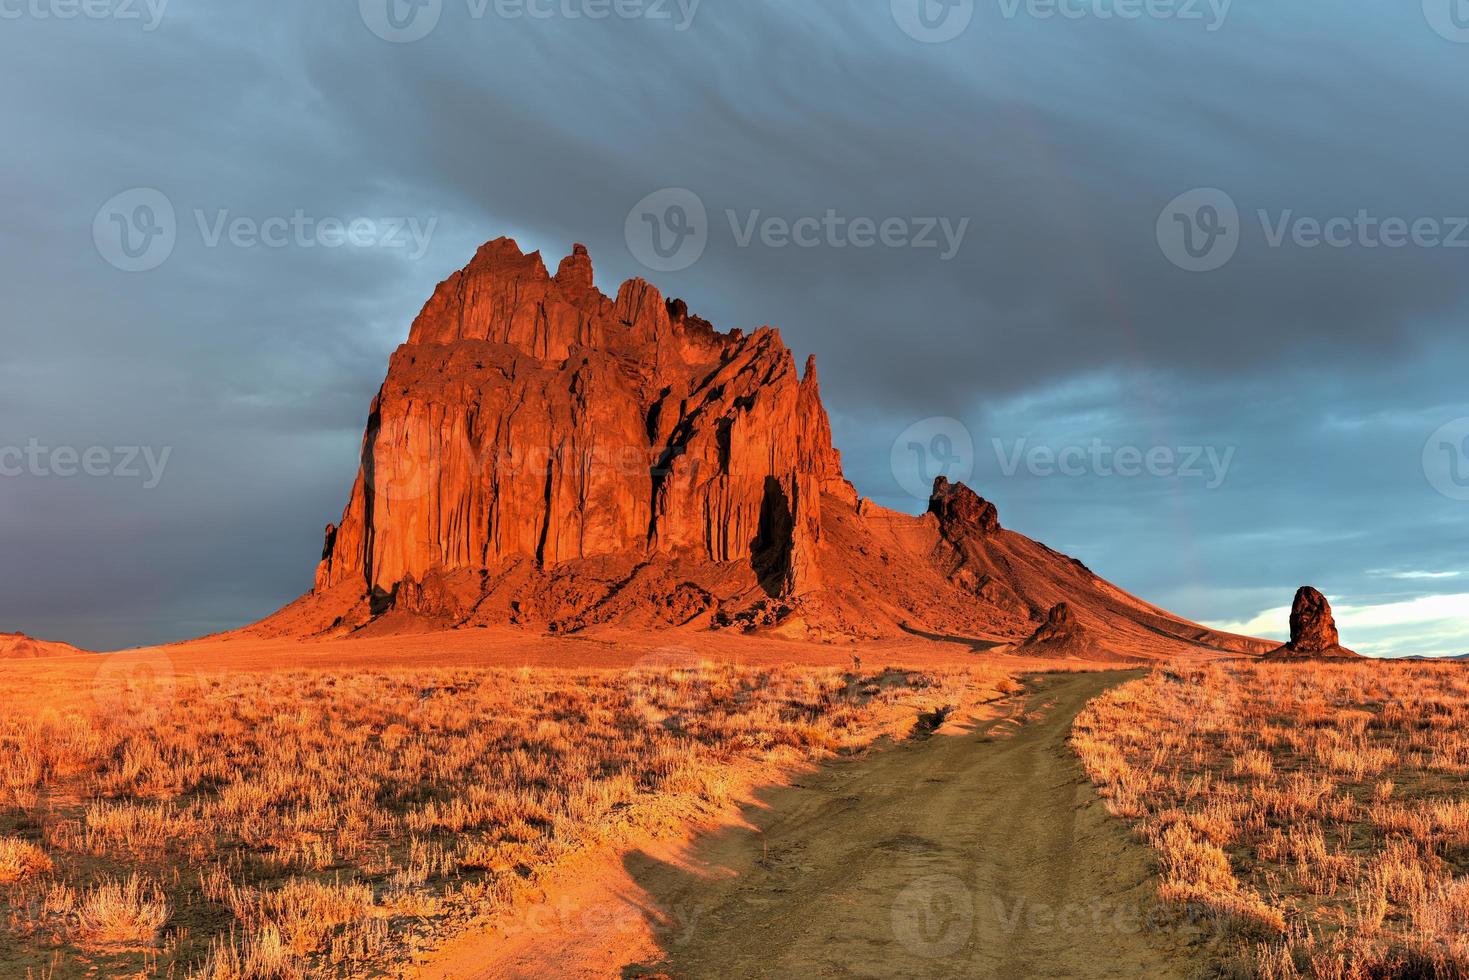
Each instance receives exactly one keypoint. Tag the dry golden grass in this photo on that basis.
(1318, 813)
(254, 826)
(20, 859)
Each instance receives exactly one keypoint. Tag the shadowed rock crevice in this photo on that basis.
(775, 543)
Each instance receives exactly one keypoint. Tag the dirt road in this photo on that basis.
(980, 851)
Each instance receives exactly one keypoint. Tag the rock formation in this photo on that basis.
(547, 456)
(1313, 632)
(530, 417)
(1064, 635)
(1312, 627)
(961, 511)
(1060, 625)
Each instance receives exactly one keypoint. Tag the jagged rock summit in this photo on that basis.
(1313, 633)
(544, 455)
(961, 511)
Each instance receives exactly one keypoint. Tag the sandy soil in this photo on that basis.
(55, 680)
(980, 851)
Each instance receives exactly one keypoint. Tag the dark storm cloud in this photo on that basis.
(1059, 320)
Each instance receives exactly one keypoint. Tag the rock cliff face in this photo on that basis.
(547, 456)
(530, 417)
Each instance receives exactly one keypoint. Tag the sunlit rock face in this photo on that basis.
(530, 416)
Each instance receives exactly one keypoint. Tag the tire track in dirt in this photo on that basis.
(981, 851)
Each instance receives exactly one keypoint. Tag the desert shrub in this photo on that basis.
(121, 913)
(21, 859)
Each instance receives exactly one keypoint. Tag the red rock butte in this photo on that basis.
(544, 455)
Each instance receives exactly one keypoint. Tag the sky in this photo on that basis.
(1179, 285)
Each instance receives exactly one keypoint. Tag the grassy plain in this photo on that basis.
(1317, 814)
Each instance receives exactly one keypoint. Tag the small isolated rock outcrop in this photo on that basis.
(962, 511)
(1312, 626)
(1313, 632)
(1062, 635)
(1060, 624)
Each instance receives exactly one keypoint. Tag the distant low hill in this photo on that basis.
(18, 646)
